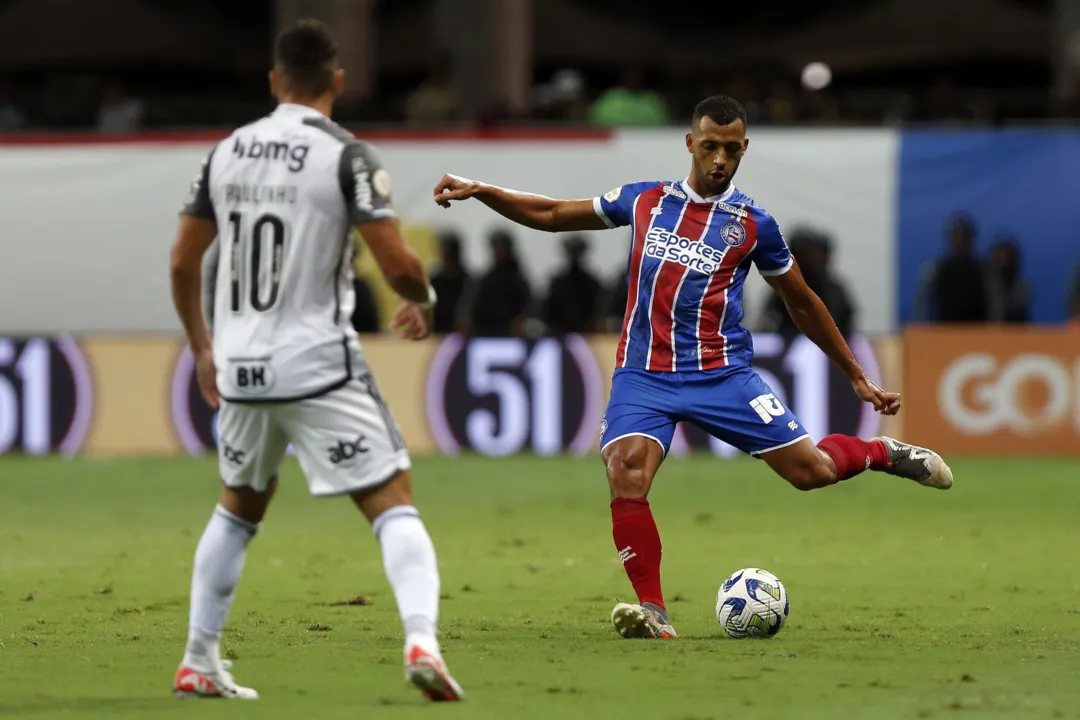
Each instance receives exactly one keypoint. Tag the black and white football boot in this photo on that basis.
(916, 463)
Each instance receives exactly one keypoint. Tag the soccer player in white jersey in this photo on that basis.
(284, 363)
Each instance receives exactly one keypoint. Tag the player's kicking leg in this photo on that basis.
(750, 417)
(841, 457)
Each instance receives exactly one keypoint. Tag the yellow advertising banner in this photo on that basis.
(136, 395)
(993, 391)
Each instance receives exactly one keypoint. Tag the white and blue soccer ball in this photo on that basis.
(752, 603)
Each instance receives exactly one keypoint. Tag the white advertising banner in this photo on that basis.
(85, 229)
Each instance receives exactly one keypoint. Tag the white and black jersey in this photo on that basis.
(286, 192)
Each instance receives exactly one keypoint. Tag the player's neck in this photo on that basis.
(706, 192)
(325, 104)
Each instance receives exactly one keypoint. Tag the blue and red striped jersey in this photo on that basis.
(688, 262)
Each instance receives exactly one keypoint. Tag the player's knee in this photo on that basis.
(626, 471)
(811, 475)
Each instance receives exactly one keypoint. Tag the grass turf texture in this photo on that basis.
(906, 601)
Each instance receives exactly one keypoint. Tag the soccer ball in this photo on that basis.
(752, 603)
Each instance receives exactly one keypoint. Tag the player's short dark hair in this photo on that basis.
(306, 55)
(721, 109)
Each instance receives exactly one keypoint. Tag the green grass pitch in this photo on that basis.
(906, 602)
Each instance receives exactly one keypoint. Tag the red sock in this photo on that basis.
(852, 455)
(638, 543)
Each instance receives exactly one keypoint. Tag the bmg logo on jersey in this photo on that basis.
(362, 178)
(274, 150)
(698, 256)
(348, 449)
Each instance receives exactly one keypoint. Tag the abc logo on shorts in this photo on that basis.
(46, 395)
(499, 396)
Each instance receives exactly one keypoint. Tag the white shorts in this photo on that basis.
(345, 440)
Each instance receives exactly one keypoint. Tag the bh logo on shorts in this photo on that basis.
(733, 234)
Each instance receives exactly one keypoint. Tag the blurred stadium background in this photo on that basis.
(924, 172)
(920, 155)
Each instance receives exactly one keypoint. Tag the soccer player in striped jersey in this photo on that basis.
(684, 355)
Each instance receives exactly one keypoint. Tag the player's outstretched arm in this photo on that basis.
(813, 319)
(404, 272)
(533, 211)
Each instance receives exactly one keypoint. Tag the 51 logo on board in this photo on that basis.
(46, 395)
(499, 396)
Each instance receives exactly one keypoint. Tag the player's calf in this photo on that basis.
(632, 462)
(803, 465)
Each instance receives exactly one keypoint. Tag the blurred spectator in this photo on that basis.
(11, 115)
(365, 313)
(502, 295)
(1008, 292)
(813, 253)
(780, 106)
(452, 283)
(1073, 308)
(954, 289)
(615, 299)
(573, 301)
(69, 100)
(436, 101)
(119, 113)
(615, 303)
(629, 103)
(562, 99)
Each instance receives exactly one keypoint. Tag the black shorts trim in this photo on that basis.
(295, 398)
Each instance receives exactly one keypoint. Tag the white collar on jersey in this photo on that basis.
(722, 197)
(296, 109)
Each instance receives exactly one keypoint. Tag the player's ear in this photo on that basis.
(338, 84)
(745, 144)
(273, 76)
(690, 142)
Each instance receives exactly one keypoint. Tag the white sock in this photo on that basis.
(219, 559)
(409, 560)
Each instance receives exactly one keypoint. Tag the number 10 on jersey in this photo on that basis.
(250, 261)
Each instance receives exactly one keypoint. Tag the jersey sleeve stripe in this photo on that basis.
(598, 208)
(779, 270)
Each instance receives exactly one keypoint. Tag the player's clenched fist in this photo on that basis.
(883, 401)
(452, 187)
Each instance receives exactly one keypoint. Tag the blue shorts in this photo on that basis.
(731, 403)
